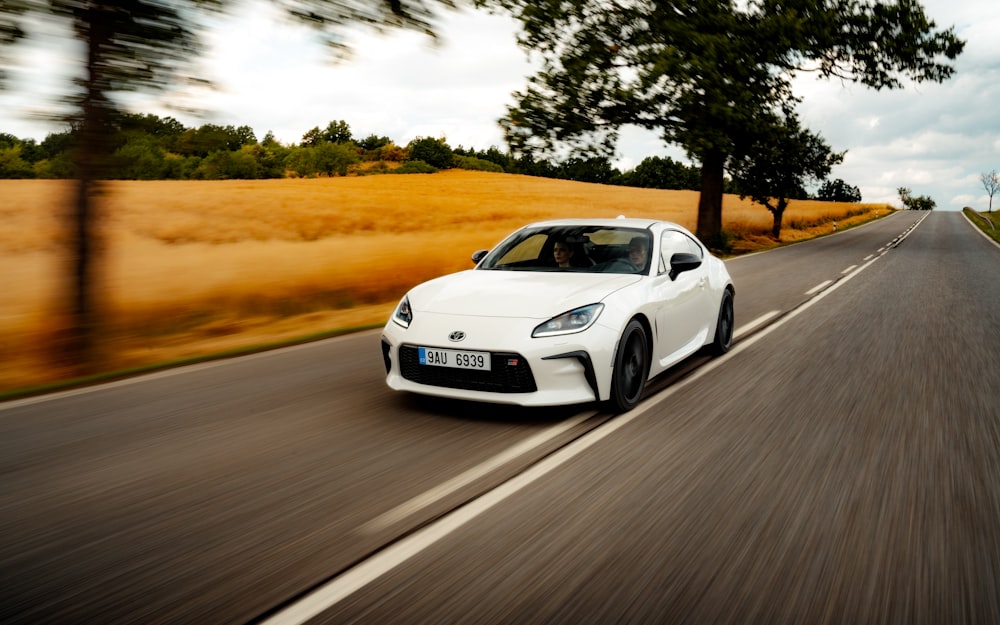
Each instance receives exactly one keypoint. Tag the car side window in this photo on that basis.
(671, 242)
(675, 242)
(693, 246)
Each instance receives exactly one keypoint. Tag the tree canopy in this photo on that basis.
(918, 203)
(707, 75)
(147, 147)
(838, 191)
(774, 167)
(147, 45)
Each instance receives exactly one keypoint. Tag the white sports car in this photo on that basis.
(563, 312)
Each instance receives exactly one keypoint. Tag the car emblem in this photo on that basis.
(456, 336)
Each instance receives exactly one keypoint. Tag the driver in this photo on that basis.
(638, 251)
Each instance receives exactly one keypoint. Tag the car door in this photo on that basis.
(682, 316)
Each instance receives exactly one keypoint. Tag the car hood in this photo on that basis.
(535, 295)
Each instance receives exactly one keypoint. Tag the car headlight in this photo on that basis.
(403, 314)
(576, 320)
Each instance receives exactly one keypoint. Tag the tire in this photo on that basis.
(631, 368)
(724, 326)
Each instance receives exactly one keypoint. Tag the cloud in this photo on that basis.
(930, 137)
(275, 75)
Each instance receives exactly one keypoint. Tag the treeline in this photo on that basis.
(148, 147)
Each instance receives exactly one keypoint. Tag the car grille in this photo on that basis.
(510, 373)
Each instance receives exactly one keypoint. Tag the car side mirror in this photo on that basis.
(478, 256)
(679, 263)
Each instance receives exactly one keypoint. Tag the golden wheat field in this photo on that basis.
(193, 267)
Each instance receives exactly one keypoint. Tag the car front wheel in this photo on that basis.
(631, 368)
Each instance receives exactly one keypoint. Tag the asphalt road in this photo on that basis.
(840, 465)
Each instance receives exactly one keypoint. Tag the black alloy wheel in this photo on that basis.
(631, 368)
(724, 327)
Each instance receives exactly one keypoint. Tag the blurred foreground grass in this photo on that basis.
(191, 269)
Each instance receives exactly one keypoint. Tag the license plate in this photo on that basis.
(456, 359)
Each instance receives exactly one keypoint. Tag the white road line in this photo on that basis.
(819, 287)
(414, 505)
(421, 501)
(867, 258)
(342, 586)
(747, 327)
(371, 569)
(848, 270)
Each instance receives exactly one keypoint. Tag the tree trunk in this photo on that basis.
(80, 341)
(79, 347)
(710, 200)
(778, 212)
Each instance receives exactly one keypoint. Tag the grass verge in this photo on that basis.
(120, 374)
(989, 223)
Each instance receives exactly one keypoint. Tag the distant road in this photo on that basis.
(841, 464)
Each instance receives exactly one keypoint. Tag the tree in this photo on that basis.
(373, 142)
(435, 152)
(775, 165)
(919, 203)
(270, 156)
(991, 182)
(594, 169)
(337, 132)
(166, 131)
(655, 172)
(327, 159)
(31, 151)
(57, 143)
(132, 45)
(141, 158)
(16, 157)
(312, 137)
(838, 191)
(60, 167)
(213, 138)
(229, 165)
(12, 165)
(700, 72)
(334, 158)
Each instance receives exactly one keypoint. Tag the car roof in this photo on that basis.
(604, 222)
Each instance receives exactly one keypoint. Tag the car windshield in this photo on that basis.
(583, 249)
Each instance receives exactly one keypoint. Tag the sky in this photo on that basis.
(274, 75)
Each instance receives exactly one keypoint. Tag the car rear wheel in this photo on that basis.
(631, 368)
(724, 327)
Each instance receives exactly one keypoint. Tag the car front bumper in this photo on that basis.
(565, 369)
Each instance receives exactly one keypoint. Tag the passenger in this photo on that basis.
(563, 253)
